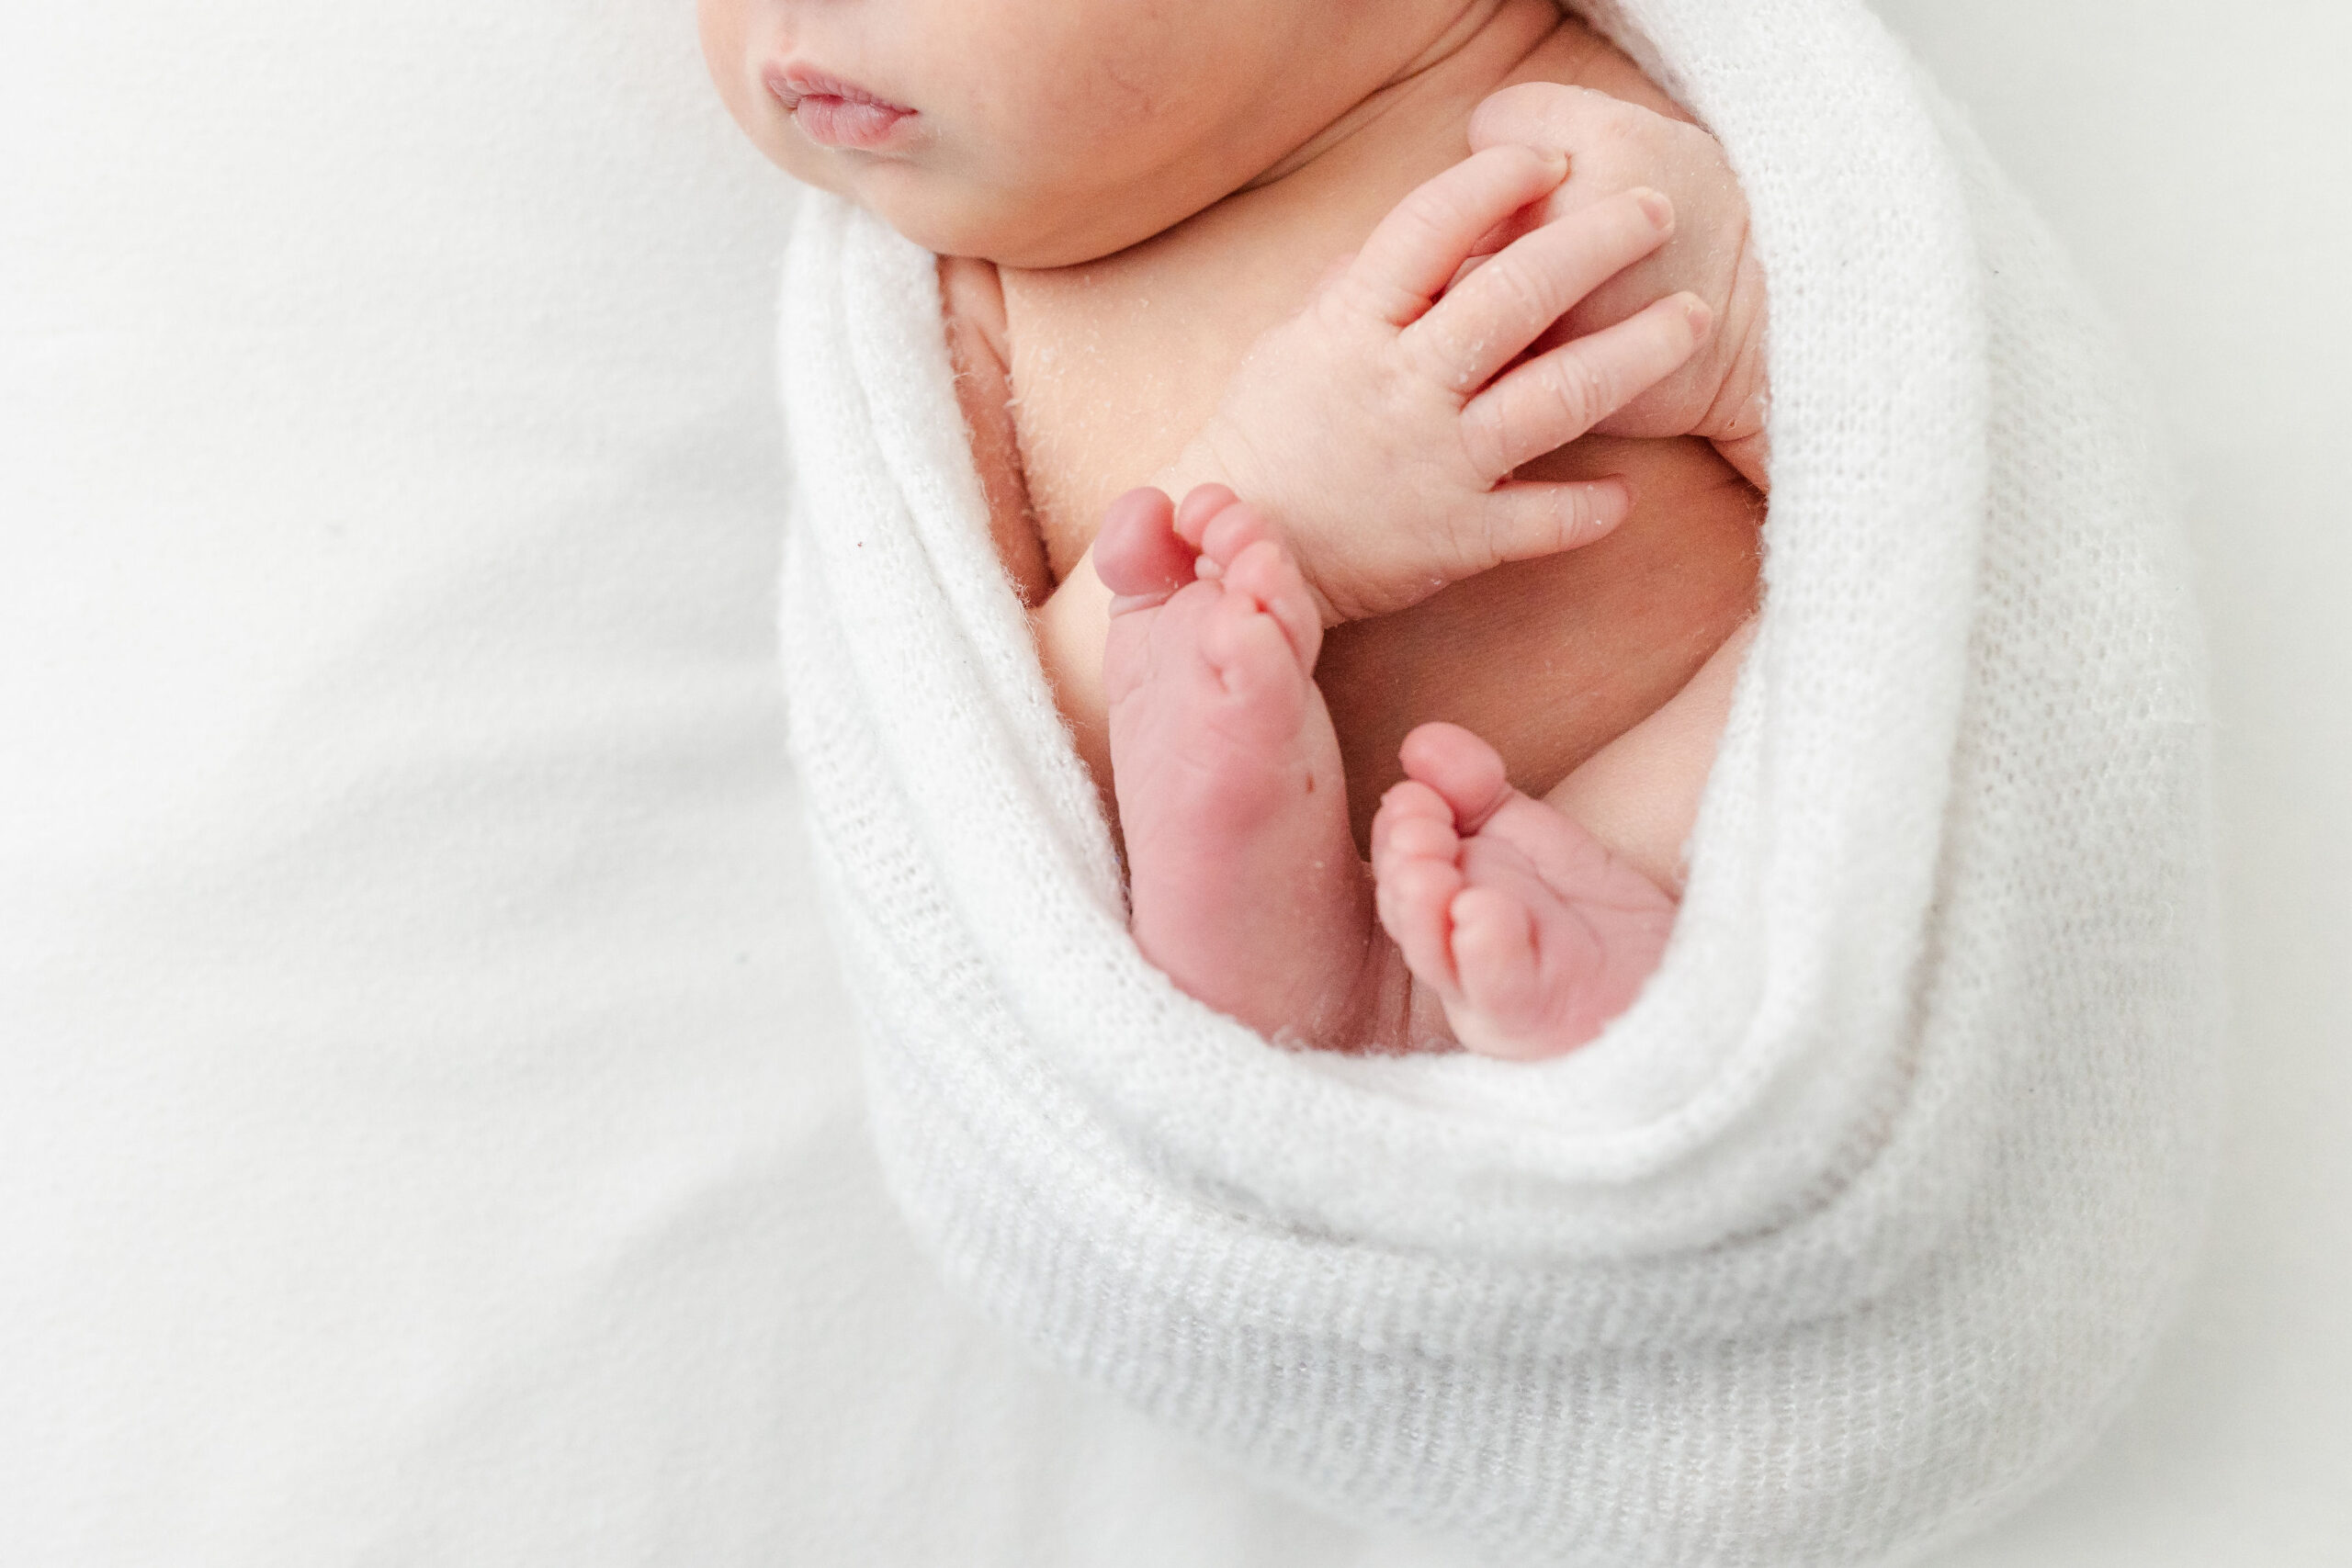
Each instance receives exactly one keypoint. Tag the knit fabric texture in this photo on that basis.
(1849, 1232)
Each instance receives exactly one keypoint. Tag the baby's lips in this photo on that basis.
(837, 122)
(834, 112)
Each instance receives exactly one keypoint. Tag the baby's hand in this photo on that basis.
(1719, 393)
(1381, 424)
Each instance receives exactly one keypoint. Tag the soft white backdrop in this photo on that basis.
(428, 1125)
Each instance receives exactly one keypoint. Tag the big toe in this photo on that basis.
(1138, 554)
(1465, 771)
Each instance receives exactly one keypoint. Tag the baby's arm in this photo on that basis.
(1382, 424)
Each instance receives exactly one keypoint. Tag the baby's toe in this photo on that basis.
(1200, 503)
(1459, 767)
(1267, 574)
(1137, 554)
(1232, 528)
(1252, 659)
(1413, 824)
(1494, 954)
(1418, 836)
(1409, 799)
(1413, 898)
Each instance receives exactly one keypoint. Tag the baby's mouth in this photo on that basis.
(835, 113)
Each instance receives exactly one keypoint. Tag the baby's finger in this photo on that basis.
(1420, 245)
(1526, 519)
(1551, 401)
(1490, 315)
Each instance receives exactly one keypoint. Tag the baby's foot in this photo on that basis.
(1246, 886)
(1532, 934)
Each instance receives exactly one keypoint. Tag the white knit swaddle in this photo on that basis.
(1851, 1230)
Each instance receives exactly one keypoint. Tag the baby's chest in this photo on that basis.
(1115, 368)
(1112, 371)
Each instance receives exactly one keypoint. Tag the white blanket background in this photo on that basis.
(428, 1132)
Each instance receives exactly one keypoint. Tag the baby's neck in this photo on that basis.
(1421, 108)
(1325, 195)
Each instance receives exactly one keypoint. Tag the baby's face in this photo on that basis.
(1043, 133)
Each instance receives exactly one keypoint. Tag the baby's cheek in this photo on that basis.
(726, 55)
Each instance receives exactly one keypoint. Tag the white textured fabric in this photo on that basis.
(1851, 1230)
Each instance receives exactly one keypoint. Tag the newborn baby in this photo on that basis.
(1130, 201)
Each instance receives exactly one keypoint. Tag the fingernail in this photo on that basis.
(1554, 160)
(1695, 311)
(1655, 207)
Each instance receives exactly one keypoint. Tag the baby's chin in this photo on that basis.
(1031, 233)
